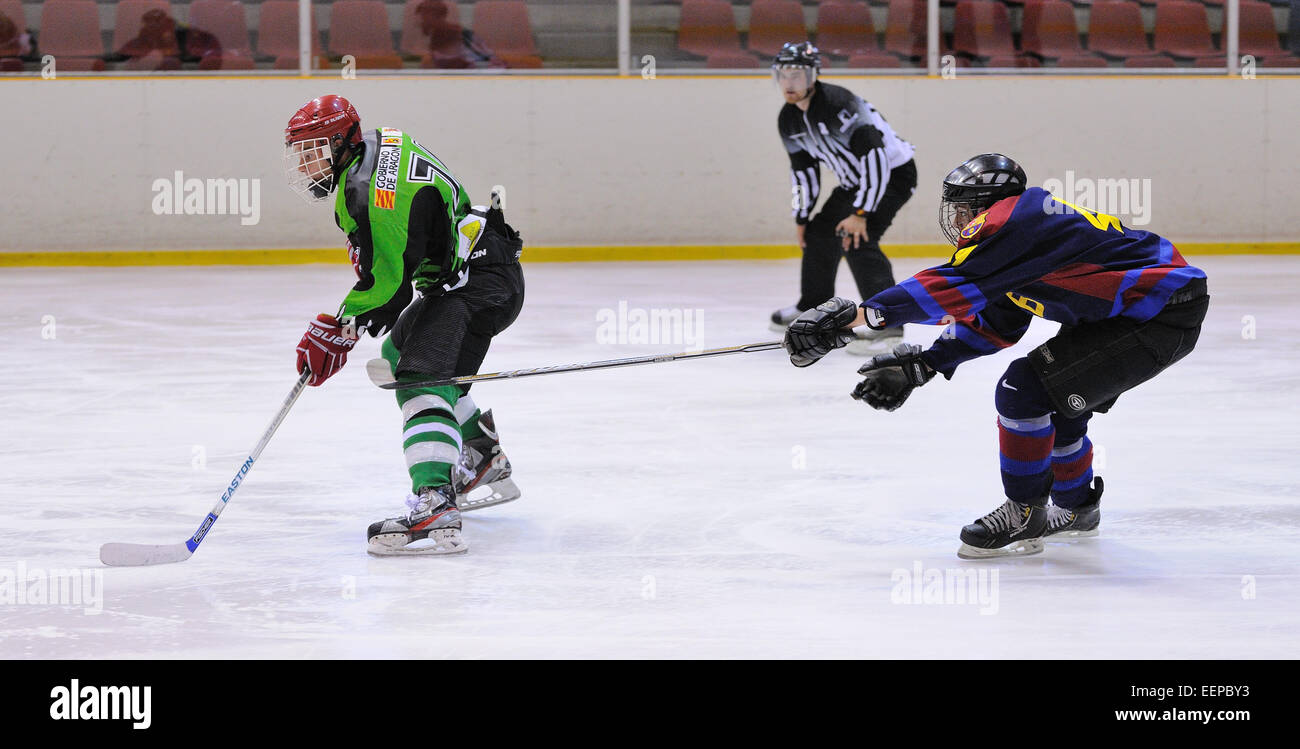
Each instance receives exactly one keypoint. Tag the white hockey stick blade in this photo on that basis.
(380, 372)
(139, 555)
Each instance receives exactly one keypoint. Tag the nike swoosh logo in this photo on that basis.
(1009, 387)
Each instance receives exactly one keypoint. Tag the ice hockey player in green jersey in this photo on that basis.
(409, 222)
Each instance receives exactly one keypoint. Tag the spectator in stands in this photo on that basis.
(450, 45)
(163, 44)
(15, 41)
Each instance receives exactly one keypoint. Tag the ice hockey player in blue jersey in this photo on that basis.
(1128, 304)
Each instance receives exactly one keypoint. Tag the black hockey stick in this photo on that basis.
(381, 372)
(136, 555)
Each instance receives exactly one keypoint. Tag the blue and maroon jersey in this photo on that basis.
(1029, 255)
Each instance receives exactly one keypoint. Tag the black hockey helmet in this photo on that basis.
(972, 187)
(800, 55)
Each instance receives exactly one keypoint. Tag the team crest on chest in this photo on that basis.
(974, 226)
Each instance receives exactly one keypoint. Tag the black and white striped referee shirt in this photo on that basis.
(843, 131)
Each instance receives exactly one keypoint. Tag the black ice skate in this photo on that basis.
(1080, 522)
(482, 478)
(431, 527)
(1014, 529)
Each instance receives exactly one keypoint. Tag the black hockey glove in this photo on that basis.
(890, 378)
(819, 331)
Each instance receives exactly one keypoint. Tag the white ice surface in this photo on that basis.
(665, 509)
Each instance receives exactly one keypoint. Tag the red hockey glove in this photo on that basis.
(324, 348)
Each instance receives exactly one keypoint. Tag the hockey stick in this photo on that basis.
(381, 374)
(136, 555)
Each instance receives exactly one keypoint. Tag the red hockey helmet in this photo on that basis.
(315, 140)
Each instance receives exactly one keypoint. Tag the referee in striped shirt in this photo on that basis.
(826, 124)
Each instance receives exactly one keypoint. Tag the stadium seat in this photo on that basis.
(1012, 61)
(225, 20)
(772, 23)
(504, 27)
(1258, 31)
(845, 28)
(905, 28)
(129, 20)
(872, 60)
(277, 33)
(70, 31)
(982, 29)
(707, 27)
(413, 40)
(1049, 30)
(359, 28)
(1084, 60)
(1115, 29)
(1214, 61)
(1183, 29)
(1150, 61)
(732, 61)
(1283, 61)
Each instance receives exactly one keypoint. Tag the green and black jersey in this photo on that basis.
(402, 210)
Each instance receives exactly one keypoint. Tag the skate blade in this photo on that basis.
(488, 495)
(1015, 549)
(443, 542)
(1067, 536)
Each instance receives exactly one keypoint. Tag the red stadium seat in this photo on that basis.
(732, 60)
(905, 28)
(1049, 29)
(845, 28)
(70, 29)
(277, 33)
(1182, 29)
(1084, 60)
(772, 23)
(504, 27)
(359, 28)
(982, 29)
(1012, 61)
(1281, 61)
(1150, 61)
(1258, 31)
(1115, 29)
(130, 21)
(707, 27)
(872, 60)
(1216, 61)
(225, 20)
(414, 41)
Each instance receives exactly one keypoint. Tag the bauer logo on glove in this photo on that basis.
(324, 348)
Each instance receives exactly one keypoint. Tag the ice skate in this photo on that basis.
(1079, 522)
(482, 478)
(868, 342)
(782, 318)
(431, 527)
(1014, 529)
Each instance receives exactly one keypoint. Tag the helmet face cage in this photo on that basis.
(973, 188)
(309, 167)
(954, 216)
(781, 72)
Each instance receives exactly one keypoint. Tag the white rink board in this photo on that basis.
(607, 161)
(663, 515)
